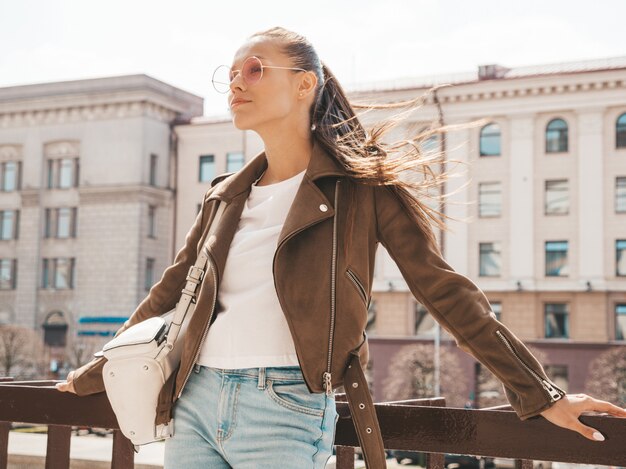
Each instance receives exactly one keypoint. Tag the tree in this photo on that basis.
(80, 350)
(490, 389)
(607, 376)
(411, 375)
(21, 352)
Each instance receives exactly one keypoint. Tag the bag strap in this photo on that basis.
(194, 278)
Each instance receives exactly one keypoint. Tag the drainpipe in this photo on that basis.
(442, 209)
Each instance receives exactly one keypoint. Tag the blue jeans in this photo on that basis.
(250, 418)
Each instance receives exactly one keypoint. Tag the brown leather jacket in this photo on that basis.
(323, 270)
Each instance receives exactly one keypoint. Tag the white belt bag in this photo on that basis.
(140, 360)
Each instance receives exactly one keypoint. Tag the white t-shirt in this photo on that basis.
(251, 330)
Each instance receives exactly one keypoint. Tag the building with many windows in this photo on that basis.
(102, 179)
(543, 209)
(87, 201)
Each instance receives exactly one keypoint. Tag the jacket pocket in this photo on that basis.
(554, 392)
(358, 284)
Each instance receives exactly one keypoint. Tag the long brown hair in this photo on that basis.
(361, 152)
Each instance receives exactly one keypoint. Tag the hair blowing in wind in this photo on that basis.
(402, 164)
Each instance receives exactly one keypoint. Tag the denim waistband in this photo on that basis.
(271, 372)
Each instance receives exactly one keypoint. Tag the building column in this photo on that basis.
(590, 199)
(456, 240)
(521, 202)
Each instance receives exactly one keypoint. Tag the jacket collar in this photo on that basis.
(320, 164)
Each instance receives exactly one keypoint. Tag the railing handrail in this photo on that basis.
(405, 425)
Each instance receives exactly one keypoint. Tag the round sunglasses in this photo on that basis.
(251, 71)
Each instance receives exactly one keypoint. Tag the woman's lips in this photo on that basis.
(237, 103)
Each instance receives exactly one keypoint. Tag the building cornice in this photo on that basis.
(95, 99)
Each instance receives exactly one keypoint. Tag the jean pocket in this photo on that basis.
(295, 395)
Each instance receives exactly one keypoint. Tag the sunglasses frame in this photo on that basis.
(234, 73)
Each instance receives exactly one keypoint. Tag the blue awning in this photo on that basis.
(102, 319)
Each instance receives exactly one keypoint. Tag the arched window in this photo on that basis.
(490, 140)
(55, 329)
(556, 136)
(620, 131)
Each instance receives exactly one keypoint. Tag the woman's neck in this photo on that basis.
(285, 160)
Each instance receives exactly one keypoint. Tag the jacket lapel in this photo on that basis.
(307, 208)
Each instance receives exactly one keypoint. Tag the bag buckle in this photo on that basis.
(195, 274)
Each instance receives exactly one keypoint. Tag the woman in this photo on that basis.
(300, 231)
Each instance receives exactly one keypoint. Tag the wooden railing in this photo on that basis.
(423, 425)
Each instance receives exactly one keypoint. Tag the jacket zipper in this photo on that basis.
(206, 330)
(554, 391)
(279, 299)
(352, 276)
(326, 377)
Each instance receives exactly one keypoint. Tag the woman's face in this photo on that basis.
(273, 100)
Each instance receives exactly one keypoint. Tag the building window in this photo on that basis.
(620, 194)
(430, 144)
(154, 158)
(620, 257)
(55, 329)
(149, 272)
(206, 172)
(8, 271)
(64, 226)
(496, 307)
(620, 321)
(558, 375)
(9, 222)
(556, 321)
(556, 258)
(151, 221)
(371, 317)
(489, 199)
(556, 136)
(490, 140)
(10, 176)
(620, 131)
(234, 161)
(556, 197)
(62, 173)
(60, 222)
(424, 323)
(490, 259)
(58, 273)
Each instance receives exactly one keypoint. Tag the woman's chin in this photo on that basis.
(241, 124)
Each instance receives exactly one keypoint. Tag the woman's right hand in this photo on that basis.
(67, 385)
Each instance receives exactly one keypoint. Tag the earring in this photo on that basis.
(313, 127)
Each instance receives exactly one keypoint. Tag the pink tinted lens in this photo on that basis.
(252, 70)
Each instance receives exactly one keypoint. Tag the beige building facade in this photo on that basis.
(541, 202)
(102, 179)
(87, 201)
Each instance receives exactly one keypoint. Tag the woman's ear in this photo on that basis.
(307, 83)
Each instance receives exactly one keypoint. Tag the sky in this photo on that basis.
(363, 41)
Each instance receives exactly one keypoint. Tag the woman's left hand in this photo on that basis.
(565, 413)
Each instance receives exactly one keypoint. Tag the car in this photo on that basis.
(466, 461)
(506, 463)
(414, 457)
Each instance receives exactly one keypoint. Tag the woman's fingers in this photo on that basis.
(66, 386)
(598, 405)
(587, 432)
(566, 411)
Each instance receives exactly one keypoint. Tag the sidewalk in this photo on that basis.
(86, 451)
(28, 451)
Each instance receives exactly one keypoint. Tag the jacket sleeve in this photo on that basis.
(161, 298)
(460, 306)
